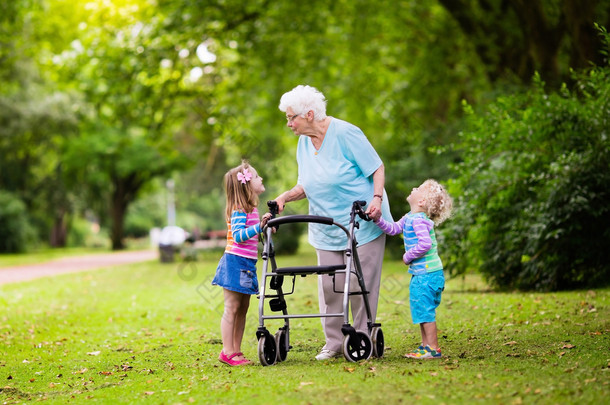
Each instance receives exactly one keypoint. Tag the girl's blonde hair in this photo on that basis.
(240, 196)
(438, 203)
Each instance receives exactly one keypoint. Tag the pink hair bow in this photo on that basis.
(244, 176)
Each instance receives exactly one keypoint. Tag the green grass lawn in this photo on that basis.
(149, 333)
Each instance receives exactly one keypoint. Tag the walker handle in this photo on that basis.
(357, 208)
(300, 218)
(273, 208)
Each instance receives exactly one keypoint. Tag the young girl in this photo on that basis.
(236, 271)
(430, 204)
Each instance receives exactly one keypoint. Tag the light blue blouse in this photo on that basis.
(335, 176)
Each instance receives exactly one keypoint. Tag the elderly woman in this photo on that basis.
(337, 165)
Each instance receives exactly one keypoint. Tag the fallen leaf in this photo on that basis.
(83, 371)
(96, 353)
(434, 373)
(510, 343)
(561, 354)
(304, 383)
(148, 392)
(568, 346)
(349, 369)
(105, 372)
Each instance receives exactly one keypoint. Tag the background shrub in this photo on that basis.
(15, 229)
(533, 189)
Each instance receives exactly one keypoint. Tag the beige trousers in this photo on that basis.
(371, 260)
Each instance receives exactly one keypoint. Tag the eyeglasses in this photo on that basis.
(291, 118)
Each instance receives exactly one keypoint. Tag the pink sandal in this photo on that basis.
(245, 360)
(229, 359)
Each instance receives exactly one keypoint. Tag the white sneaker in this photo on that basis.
(326, 354)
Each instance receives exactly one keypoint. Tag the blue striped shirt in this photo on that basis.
(241, 237)
(420, 241)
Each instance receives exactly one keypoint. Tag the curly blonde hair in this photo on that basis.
(240, 196)
(438, 202)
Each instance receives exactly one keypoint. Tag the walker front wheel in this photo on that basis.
(359, 348)
(378, 342)
(267, 350)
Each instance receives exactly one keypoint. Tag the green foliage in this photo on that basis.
(533, 188)
(146, 213)
(126, 74)
(15, 229)
(86, 234)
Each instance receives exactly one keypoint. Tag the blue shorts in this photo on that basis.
(237, 274)
(425, 296)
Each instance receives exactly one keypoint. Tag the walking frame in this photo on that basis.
(357, 345)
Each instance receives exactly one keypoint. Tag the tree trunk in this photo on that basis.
(586, 42)
(124, 192)
(118, 209)
(59, 231)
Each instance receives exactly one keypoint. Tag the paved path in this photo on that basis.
(73, 264)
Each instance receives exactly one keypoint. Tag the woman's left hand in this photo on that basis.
(374, 209)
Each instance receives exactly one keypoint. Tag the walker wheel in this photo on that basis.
(357, 349)
(280, 341)
(378, 342)
(267, 350)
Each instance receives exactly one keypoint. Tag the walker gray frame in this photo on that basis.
(357, 345)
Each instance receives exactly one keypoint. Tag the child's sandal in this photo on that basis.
(244, 360)
(230, 361)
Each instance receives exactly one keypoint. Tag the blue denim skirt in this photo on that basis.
(237, 274)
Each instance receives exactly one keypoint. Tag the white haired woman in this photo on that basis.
(337, 165)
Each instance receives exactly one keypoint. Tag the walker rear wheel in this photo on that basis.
(267, 350)
(359, 348)
(280, 342)
(378, 342)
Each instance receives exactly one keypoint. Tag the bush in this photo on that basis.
(532, 190)
(15, 230)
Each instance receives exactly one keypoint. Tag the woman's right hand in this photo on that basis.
(280, 203)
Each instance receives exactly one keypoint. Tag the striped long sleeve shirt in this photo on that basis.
(417, 229)
(243, 229)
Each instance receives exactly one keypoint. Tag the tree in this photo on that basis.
(35, 119)
(532, 190)
(526, 36)
(129, 137)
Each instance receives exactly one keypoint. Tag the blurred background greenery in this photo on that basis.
(103, 101)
